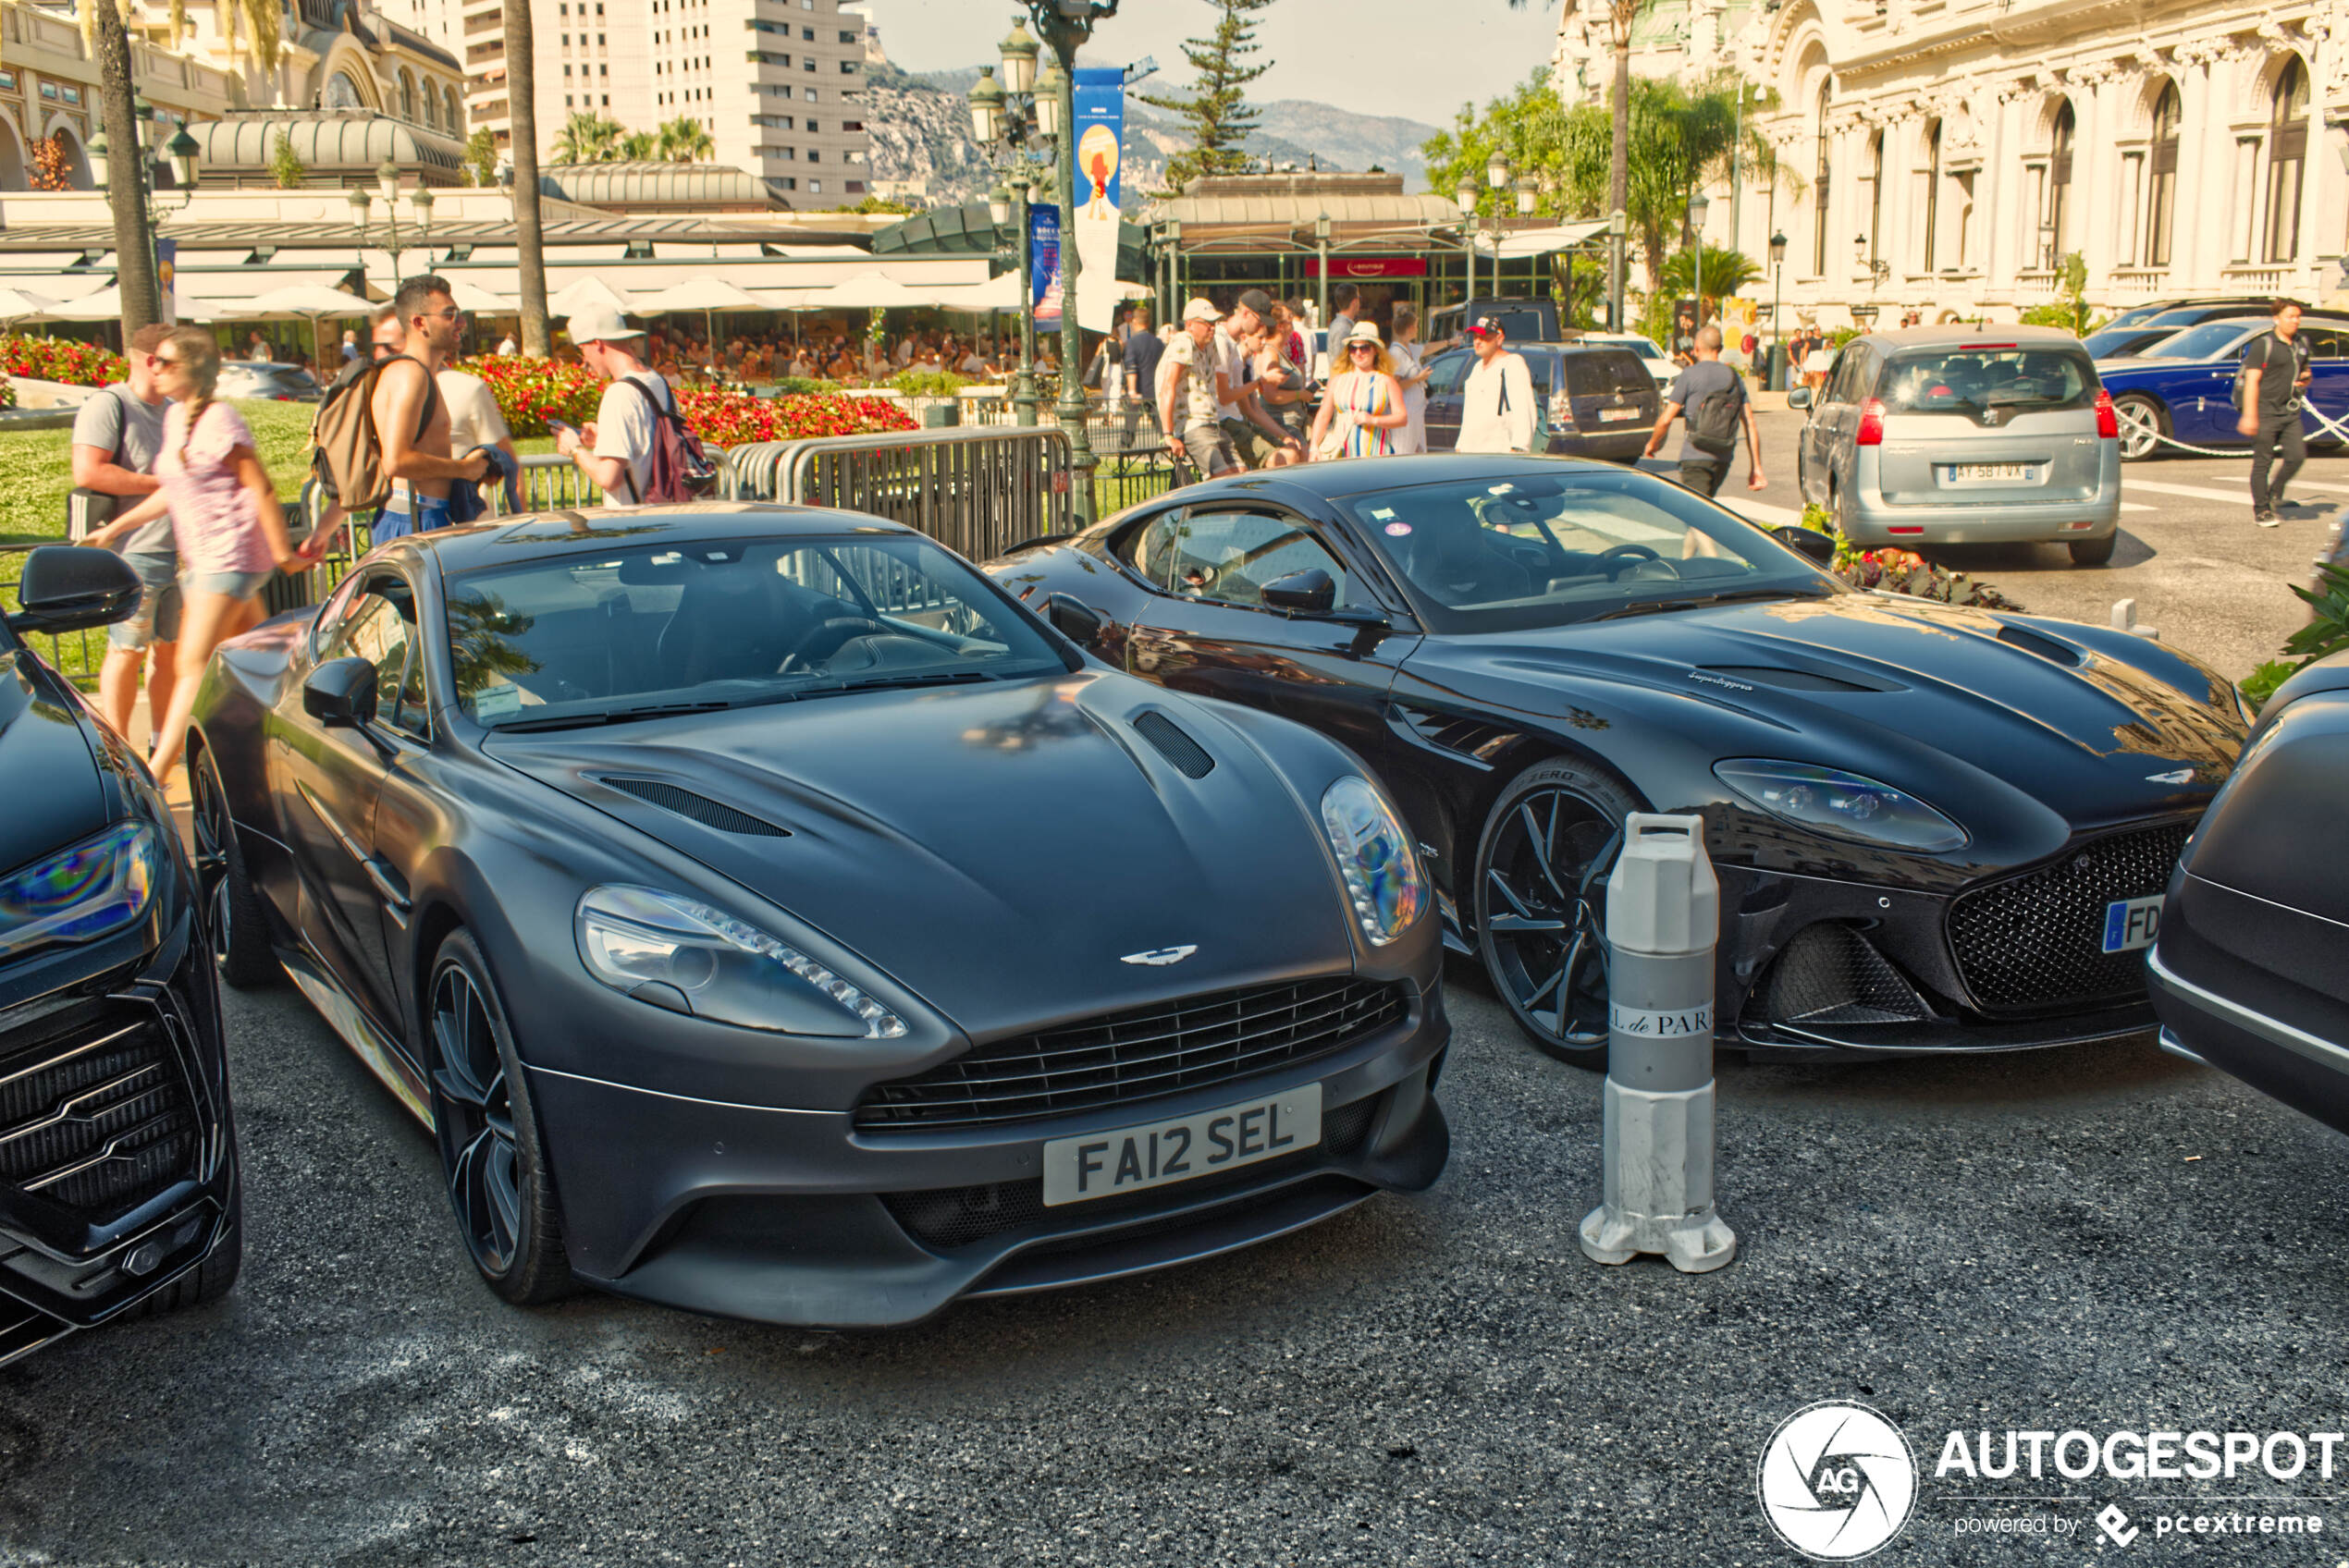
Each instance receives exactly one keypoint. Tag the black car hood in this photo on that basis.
(47, 774)
(2094, 725)
(996, 849)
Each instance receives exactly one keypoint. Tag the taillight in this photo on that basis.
(2108, 422)
(1561, 412)
(1871, 424)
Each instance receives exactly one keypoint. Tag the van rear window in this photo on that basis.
(1606, 373)
(1970, 380)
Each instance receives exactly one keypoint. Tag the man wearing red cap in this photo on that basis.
(1496, 402)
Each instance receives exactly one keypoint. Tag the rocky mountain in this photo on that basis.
(919, 127)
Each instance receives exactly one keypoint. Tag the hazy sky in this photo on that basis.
(1418, 58)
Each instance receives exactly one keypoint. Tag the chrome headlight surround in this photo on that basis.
(1375, 855)
(669, 949)
(1840, 805)
(82, 892)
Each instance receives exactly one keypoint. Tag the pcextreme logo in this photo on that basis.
(1837, 1481)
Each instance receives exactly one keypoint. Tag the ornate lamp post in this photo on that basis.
(1322, 250)
(1007, 117)
(387, 183)
(1618, 225)
(1464, 198)
(1698, 207)
(1778, 278)
(1068, 25)
(143, 162)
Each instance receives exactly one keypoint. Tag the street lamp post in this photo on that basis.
(1322, 253)
(1465, 197)
(1618, 224)
(1174, 311)
(387, 183)
(1698, 207)
(1066, 25)
(143, 161)
(1010, 119)
(1777, 280)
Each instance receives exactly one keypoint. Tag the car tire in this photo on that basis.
(1834, 511)
(2141, 418)
(235, 924)
(216, 1275)
(1539, 903)
(492, 1158)
(2094, 552)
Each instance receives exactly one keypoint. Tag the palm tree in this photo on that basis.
(588, 138)
(1726, 272)
(263, 23)
(530, 257)
(686, 141)
(639, 147)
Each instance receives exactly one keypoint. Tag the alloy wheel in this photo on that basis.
(1543, 907)
(2140, 427)
(472, 1113)
(211, 832)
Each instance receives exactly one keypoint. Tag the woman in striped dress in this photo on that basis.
(1364, 407)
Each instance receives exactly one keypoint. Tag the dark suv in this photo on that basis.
(1589, 402)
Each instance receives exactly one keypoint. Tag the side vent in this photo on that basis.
(1190, 758)
(1469, 737)
(698, 808)
(2046, 647)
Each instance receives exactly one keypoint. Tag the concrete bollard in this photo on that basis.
(1662, 918)
(2124, 618)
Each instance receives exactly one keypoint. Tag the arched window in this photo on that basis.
(2161, 176)
(1876, 193)
(449, 116)
(1820, 182)
(2058, 223)
(1932, 190)
(407, 96)
(2287, 151)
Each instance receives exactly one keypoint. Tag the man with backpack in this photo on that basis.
(2268, 390)
(637, 450)
(412, 417)
(1712, 397)
(117, 437)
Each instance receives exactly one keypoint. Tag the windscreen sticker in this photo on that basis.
(1399, 529)
(498, 700)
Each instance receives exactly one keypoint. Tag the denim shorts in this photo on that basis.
(158, 620)
(432, 511)
(230, 585)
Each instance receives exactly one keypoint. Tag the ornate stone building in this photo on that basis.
(1947, 155)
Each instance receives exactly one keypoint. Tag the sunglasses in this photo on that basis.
(1361, 347)
(165, 359)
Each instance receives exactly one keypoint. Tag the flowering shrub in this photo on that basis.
(7, 394)
(1903, 572)
(531, 391)
(61, 360)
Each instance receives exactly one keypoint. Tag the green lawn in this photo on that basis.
(36, 468)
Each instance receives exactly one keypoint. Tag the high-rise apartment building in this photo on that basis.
(778, 83)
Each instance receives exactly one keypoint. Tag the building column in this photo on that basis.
(1999, 196)
(2096, 181)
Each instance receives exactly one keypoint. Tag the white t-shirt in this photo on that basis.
(625, 429)
(473, 418)
(1228, 359)
(508, 345)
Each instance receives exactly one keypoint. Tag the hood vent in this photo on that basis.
(1190, 758)
(2033, 642)
(698, 808)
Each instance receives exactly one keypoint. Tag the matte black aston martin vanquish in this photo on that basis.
(773, 918)
(119, 1189)
(1935, 828)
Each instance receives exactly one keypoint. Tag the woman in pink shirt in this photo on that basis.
(225, 518)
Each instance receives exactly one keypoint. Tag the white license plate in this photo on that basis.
(1991, 473)
(1607, 414)
(2131, 924)
(1131, 1159)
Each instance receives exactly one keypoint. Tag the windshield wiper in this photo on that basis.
(1657, 606)
(623, 715)
(918, 678)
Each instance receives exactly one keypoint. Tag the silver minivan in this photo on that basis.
(1964, 435)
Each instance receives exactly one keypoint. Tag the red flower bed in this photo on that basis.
(61, 360)
(529, 391)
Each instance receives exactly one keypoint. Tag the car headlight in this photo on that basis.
(1843, 804)
(666, 950)
(1375, 857)
(90, 890)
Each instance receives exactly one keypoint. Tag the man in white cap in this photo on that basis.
(1496, 402)
(615, 451)
(1188, 408)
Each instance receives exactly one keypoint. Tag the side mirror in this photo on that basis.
(1073, 618)
(72, 588)
(1798, 398)
(1819, 547)
(341, 692)
(1310, 591)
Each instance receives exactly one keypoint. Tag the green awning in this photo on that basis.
(969, 230)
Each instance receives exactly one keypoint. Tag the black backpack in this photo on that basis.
(1713, 420)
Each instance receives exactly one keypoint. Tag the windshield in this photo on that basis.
(2207, 341)
(2116, 342)
(1969, 379)
(586, 639)
(1509, 555)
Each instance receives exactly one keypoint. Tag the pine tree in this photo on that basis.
(1218, 114)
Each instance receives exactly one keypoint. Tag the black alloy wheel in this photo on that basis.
(1541, 904)
(488, 1135)
(234, 926)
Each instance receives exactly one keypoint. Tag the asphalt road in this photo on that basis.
(2202, 574)
(2092, 1238)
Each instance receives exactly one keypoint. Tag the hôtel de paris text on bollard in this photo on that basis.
(1663, 916)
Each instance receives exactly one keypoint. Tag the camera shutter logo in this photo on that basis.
(1837, 1481)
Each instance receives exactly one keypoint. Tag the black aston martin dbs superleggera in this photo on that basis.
(1935, 828)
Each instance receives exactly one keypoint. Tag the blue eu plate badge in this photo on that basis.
(2131, 924)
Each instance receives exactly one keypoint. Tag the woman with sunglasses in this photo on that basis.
(224, 517)
(1362, 407)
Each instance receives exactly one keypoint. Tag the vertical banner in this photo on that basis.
(1100, 123)
(166, 266)
(1044, 263)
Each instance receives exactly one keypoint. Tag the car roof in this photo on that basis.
(1359, 476)
(587, 530)
(1972, 338)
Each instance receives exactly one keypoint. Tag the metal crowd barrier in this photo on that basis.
(978, 490)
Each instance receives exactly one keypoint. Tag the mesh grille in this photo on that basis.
(1190, 759)
(699, 808)
(2036, 941)
(1136, 1056)
(956, 1217)
(99, 1121)
(1829, 974)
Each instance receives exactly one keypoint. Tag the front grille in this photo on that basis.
(1832, 974)
(1136, 1056)
(957, 1217)
(101, 1119)
(2036, 941)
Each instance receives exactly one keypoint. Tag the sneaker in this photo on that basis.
(2265, 520)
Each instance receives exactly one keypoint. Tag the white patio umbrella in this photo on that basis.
(298, 301)
(707, 295)
(876, 292)
(473, 299)
(573, 298)
(23, 305)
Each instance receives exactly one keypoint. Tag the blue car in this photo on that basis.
(2181, 388)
